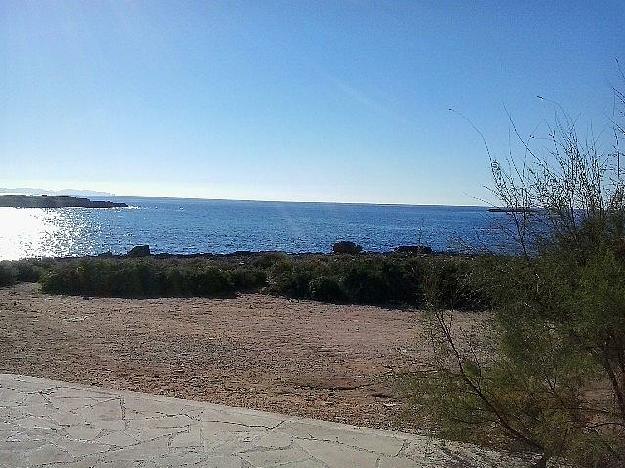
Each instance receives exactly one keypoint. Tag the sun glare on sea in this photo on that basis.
(33, 232)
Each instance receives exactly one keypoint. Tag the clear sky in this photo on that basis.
(291, 100)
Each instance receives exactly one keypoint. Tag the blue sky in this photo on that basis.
(292, 100)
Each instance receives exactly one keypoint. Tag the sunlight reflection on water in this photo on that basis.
(30, 232)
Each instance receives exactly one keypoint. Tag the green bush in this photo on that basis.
(326, 289)
(136, 278)
(383, 282)
(175, 283)
(460, 284)
(365, 279)
(292, 279)
(266, 260)
(248, 279)
(371, 279)
(8, 274)
(210, 282)
(29, 271)
(549, 373)
(365, 284)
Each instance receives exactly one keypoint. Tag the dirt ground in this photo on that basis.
(332, 362)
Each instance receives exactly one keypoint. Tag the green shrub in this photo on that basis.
(460, 284)
(292, 279)
(326, 289)
(137, 278)
(371, 279)
(549, 375)
(382, 281)
(248, 279)
(365, 285)
(366, 279)
(210, 282)
(266, 260)
(28, 271)
(8, 274)
(175, 283)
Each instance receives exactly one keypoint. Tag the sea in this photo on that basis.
(189, 226)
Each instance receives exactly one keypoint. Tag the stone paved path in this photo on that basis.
(50, 423)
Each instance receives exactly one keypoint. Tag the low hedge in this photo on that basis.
(453, 282)
(140, 278)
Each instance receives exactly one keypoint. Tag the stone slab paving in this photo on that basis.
(50, 423)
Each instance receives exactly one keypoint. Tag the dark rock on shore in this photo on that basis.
(139, 251)
(61, 201)
(346, 247)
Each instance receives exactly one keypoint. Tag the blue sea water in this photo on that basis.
(187, 226)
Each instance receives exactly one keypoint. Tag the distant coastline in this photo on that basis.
(40, 191)
(60, 201)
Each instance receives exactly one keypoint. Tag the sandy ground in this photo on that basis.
(325, 361)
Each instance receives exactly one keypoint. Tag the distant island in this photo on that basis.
(60, 201)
